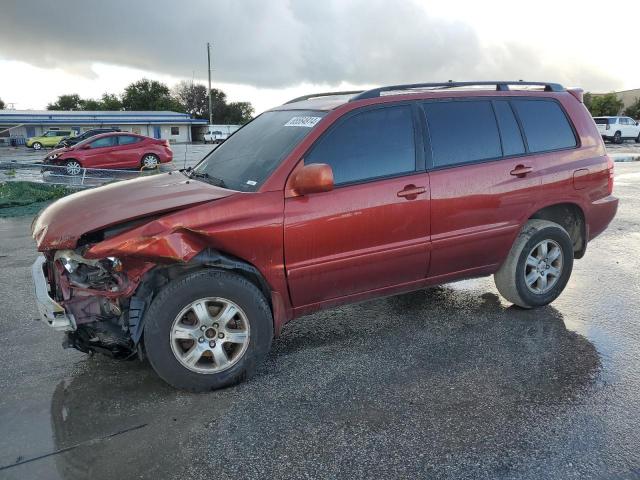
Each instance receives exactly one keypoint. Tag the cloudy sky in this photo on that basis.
(267, 52)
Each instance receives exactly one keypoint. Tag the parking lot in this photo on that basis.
(449, 382)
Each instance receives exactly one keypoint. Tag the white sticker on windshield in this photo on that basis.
(252, 182)
(307, 122)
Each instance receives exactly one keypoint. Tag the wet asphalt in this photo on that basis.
(449, 382)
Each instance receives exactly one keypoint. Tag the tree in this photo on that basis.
(67, 102)
(193, 97)
(149, 95)
(110, 101)
(1, 104)
(633, 110)
(603, 105)
(238, 113)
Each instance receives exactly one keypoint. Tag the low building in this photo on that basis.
(22, 124)
(628, 97)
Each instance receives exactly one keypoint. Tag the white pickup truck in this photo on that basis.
(219, 133)
(618, 129)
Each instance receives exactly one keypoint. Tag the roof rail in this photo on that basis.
(499, 85)
(324, 94)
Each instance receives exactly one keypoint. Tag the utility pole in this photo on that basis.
(210, 100)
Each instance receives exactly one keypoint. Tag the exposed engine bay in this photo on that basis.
(98, 295)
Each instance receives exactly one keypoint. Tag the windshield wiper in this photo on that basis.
(218, 182)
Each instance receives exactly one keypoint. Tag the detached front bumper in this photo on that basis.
(51, 311)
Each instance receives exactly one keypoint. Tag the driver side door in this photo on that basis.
(372, 230)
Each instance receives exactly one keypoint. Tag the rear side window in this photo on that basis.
(545, 125)
(512, 143)
(370, 144)
(603, 121)
(462, 132)
(127, 139)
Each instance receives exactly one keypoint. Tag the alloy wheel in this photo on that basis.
(210, 335)
(74, 168)
(543, 267)
(150, 161)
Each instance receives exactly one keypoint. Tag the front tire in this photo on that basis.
(207, 330)
(538, 266)
(37, 145)
(73, 167)
(638, 138)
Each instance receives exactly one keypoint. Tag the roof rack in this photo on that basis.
(499, 85)
(324, 94)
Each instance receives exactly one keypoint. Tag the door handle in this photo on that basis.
(521, 171)
(411, 191)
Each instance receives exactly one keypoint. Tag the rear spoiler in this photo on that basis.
(578, 93)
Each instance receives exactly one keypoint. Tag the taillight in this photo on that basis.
(610, 166)
(165, 143)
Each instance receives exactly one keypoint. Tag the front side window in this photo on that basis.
(370, 144)
(249, 156)
(545, 125)
(462, 131)
(104, 142)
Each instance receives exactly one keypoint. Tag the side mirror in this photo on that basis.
(637, 123)
(85, 147)
(312, 178)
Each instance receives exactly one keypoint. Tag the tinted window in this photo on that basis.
(601, 121)
(462, 132)
(245, 160)
(512, 143)
(545, 125)
(127, 139)
(370, 144)
(62, 133)
(104, 142)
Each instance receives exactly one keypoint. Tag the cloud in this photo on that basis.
(272, 44)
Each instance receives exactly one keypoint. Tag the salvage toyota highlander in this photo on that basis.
(325, 200)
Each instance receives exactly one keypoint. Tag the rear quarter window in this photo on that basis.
(545, 125)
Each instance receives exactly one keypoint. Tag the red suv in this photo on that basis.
(112, 150)
(326, 200)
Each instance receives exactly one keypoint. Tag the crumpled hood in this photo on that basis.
(62, 223)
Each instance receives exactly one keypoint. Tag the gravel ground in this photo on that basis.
(445, 383)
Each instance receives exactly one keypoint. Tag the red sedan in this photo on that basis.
(112, 150)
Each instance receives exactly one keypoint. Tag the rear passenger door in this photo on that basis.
(372, 230)
(126, 154)
(477, 195)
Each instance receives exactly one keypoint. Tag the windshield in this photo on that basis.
(248, 157)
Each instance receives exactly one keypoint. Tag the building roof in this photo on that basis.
(93, 117)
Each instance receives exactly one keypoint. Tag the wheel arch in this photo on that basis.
(157, 278)
(571, 217)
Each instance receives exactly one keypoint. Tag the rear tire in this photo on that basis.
(538, 266)
(150, 161)
(638, 138)
(617, 138)
(166, 322)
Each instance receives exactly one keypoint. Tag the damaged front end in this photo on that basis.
(89, 299)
